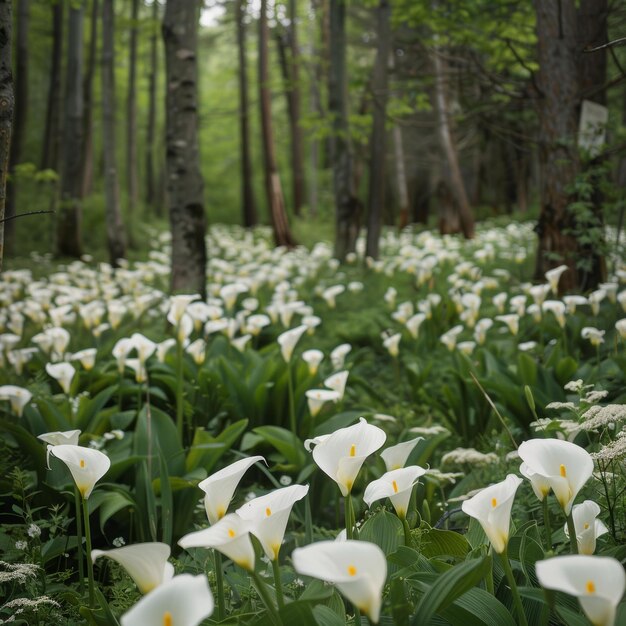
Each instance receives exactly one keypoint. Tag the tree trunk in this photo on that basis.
(558, 122)
(448, 146)
(90, 71)
(115, 228)
(274, 192)
(69, 216)
(248, 203)
(184, 179)
(347, 206)
(52, 132)
(152, 77)
(315, 108)
(7, 102)
(19, 120)
(131, 112)
(378, 142)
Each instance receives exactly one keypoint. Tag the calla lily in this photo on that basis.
(317, 398)
(87, 358)
(395, 456)
(342, 454)
(598, 582)
(87, 465)
(392, 344)
(587, 527)
(413, 324)
(312, 358)
(230, 536)
(17, 396)
(492, 508)
(337, 382)
(564, 465)
(58, 438)
(185, 600)
(146, 563)
(178, 305)
(339, 354)
(553, 276)
(288, 341)
(396, 485)
(357, 568)
(511, 320)
(144, 346)
(269, 515)
(220, 487)
(541, 485)
(63, 373)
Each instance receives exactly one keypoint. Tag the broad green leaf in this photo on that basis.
(436, 542)
(112, 502)
(385, 530)
(477, 607)
(285, 442)
(207, 450)
(325, 616)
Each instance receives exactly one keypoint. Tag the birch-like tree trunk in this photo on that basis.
(184, 180)
(132, 176)
(88, 104)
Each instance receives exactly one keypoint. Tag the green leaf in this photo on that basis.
(384, 529)
(112, 502)
(285, 442)
(325, 616)
(477, 607)
(167, 505)
(207, 450)
(448, 587)
(436, 542)
(565, 369)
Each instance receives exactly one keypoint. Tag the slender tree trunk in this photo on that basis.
(401, 180)
(150, 131)
(247, 191)
(558, 124)
(7, 103)
(273, 188)
(69, 216)
(90, 71)
(131, 112)
(184, 179)
(449, 149)
(378, 142)
(19, 119)
(347, 206)
(315, 100)
(52, 132)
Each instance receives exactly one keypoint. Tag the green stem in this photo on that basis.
(489, 577)
(357, 616)
(179, 388)
(407, 532)
(546, 523)
(92, 596)
(278, 584)
(573, 541)
(79, 537)
(292, 407)
(349, 515)
(265, 596)
(308, 519)
(517, 601)
(219, 581)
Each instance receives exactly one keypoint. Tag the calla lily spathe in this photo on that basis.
(220, 487)
(588, 528)
(317, 398)
(17, 396)
(598, 583)
(63, 373)
(87, 465)
(230, 536)
(396, 485)
(337, 382)
(269, 515)
(288, 340)
(562, 464)
(342, 454)
(395, 456)
(492, 508)
(146, 563)
(185, 600)
(357, 568)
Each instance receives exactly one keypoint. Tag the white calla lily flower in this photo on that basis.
(288, 340)
(396, 485)
(313, 358)
(19, 397)
(317, 398)
(87, 465)
(396, 456)
(587, 527)
(337, 382)
(63, 373)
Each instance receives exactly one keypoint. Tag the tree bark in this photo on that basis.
(248, 203)
(88, 107)
(150, 130)
(184, 179)
(7, 104)
(115, 229)
(347, 206)
(558, 123)
(273, 188)
(19, 119)
(69, 216)
(449, 149)
(52, 132)
(378, 142)
(131, 112)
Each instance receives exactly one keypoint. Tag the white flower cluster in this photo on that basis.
(469, 456)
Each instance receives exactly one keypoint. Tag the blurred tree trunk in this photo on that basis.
(378, 141)
(273, 188)
(184, 179)
(115, 229)
(347, 206)
(131, 112)
(558, 125)
(7, 103)
(88, 106)
(151, 194)
(401, 180)
(449, 149)
(315, 106)
(69, 215)
(52, 131)
(19, 119)
(247, 189)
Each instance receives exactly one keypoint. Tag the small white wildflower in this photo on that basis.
(570, 406)
(17, 572)
(20, 544)
(118, 542)
(429, 430)
(599, 416)
(285, 480)
(574, 385)
(595, 396)
(34, 531)
(616, 449)
(470, 456)
(298, 582)
(444, 477)
(250, 496)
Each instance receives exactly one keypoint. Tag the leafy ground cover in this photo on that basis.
(430, 432)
